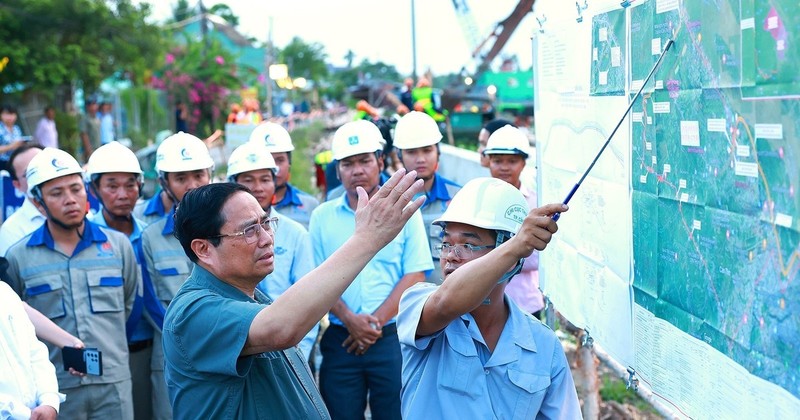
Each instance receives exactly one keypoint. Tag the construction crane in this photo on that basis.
(497, 38)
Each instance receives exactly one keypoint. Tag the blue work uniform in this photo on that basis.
(138, 329)
(452, 373)
(205, 330)
(437, 199)
(150, 210)
(294, 258)
(345, 378)
(168, 267)
(90, 294)
(297, 205)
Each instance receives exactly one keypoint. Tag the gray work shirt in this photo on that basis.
(89, 294)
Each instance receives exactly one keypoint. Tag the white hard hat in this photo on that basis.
(487, 203)
(355, 138)
(250, 156)
(182, 152)
(112, 157)
(274, 136)
(508, 140)
(50, 164)
(416, 129)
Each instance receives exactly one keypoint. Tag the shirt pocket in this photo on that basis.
(105, 291)
(461, 371)
(46, 295)
(528, 392)
(171, 275)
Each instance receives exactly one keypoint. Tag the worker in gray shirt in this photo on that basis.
(84, 278)
(183, 163)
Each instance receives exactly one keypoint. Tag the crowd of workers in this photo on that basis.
(206, 299)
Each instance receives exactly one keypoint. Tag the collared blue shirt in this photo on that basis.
(145, 294)
(452, 373)
(297, 205)
(294, 258)
(205, 330)
(333, 223)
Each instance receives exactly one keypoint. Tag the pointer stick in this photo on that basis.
(608, 140)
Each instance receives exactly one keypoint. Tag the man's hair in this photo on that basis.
(496, 124)
(11, 109)
(199, 214)
(19, 150)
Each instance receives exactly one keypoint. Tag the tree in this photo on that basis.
(306, 60)
(182, 11)
(53, 44)
(222, 10)
(202, 76)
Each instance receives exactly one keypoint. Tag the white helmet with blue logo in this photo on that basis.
(182, 152)
(49, 164)
(355, 138)
(274, 136)
(250, 156)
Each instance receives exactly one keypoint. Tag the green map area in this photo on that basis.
(715, 169)
(608, 53)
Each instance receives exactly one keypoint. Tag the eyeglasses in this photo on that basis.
(463, 251)
(252, 232)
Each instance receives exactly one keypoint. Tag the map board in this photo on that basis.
(680, 253)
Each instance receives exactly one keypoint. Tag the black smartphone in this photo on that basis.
(88, 361)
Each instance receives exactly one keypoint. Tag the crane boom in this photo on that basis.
(501, 34)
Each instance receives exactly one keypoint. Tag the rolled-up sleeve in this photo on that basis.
(411, 304)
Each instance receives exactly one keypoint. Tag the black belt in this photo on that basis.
(386, 331)
(139, 345)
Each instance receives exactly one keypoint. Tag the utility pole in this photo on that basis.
(267, 63)
(413, 42)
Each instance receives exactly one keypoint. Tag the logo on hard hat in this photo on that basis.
(516, 213)
(58, 164)
(353, 140)
(185, 154)
(268, 141)
(252, 158)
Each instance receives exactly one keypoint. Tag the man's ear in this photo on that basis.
(202, 248)
(16, 185)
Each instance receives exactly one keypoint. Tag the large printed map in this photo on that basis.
(710, 194)
(716, 175)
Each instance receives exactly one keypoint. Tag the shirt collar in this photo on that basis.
(169, 224)
(292, 197)
(209, 280)
(438, 189)
(524, 190)
(100, 220)
(516, 332)
(155, 206)
(91, 233)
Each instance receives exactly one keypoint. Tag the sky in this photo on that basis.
(378, 30)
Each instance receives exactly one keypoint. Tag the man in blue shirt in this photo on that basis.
(468, 350)
(360, 351)
(252, 165)
(230, 353)
(417, 138)
(290, 201)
